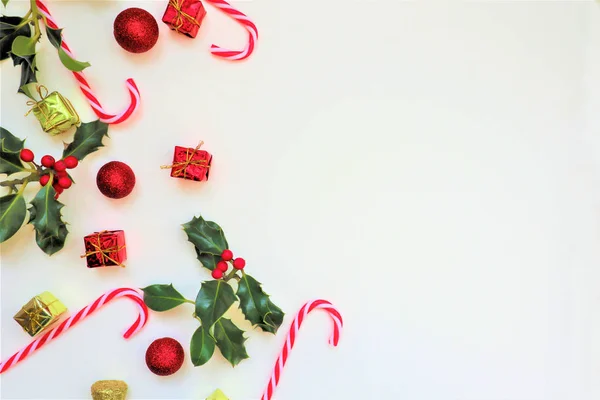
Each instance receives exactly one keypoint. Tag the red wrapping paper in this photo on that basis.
(184, 16)
(189, 163)
(104, 249)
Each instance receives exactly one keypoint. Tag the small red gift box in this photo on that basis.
(106, 248)
(184, 16)
(189, 163)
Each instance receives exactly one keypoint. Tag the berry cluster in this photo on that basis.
(222, 266)
(54, 169)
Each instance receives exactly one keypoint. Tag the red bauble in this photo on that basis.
(136, 30)
(115, 180)
(164, 356)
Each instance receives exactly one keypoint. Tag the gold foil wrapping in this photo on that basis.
(109, 390)
(55, 113)
(39, 313)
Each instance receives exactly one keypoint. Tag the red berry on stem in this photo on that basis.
(217, 273)
(44, 179)
(27, 155)
(71, 162)
(222, 265)
(239, 263)
(60, 166)
(227, 255)
(64, 182)
(48, 161)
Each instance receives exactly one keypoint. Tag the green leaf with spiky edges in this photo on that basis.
(12, 215)
(50, 231)
(10, 149)
(206, 236)
(230, 340)
(162, 297)
(54, 36)
(71, 63)
(208, 261)
(28, 70)
(213, 300)
(202, 347)
(88, 139)
(8, 33)
(257, 306)
(23, 46)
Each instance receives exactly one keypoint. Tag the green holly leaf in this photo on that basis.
(12, 215)
(28, 70)
(256, 305)
(23, 46)
(8, 33)
(213, 300)
(71, 63)
(88, 139)
(54, 36)
(162, 297)
(206, 236)
(10, 149)
(202, 347)
(50, 231)
(208, 261)
(230, 340)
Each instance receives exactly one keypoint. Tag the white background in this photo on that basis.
(433, 169)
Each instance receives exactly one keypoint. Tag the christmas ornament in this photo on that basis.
(188, 163)
(39, 313)
(115, 180)
(109, 390)
(44, 211)
(216, 297)
(184, 16)
(291, 338)
(136, 30)
(164, 356)
(70, 322)
(55, 113)
(106, 248)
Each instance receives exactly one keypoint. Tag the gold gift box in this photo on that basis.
(217, 395)
(39, 313)
(55, 113)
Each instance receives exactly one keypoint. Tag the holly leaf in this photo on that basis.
(71, 63)
(256, 305)
(50, 231)
(208, 261)
(213, 300)
(206, 236)
(23, 46)
(12, 215)
(8, 33)
(10, 149)
(54, 36)
(230, 340)
(162, 297)
(88, 139)
(202, 347)
(28, 70)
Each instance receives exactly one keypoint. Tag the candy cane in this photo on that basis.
(291, 338)
(104, 116)
(85, 312)
(235, 55)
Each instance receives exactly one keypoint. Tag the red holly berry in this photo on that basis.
(61, 174)
(44, 180)
(222, 265)
(27, 155)
(64, 182)
(227, 255)
(239, 263)
(217, 273)
(71, 162)
(58, 189)
(48, 161)
(60, 166)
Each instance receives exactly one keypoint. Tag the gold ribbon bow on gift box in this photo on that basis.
(104, 254)
(182, 165)
(181, 15)
(39, 313)
(55, 113)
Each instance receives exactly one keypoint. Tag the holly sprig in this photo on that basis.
(45, 210)
(19, 37)
(216, 297)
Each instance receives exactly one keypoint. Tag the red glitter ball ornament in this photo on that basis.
(115, 179)
(164, 356)
(135, 30)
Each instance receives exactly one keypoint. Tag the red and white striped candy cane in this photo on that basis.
(104, 116)
(52, 334)
(235, 55)
(291, 338)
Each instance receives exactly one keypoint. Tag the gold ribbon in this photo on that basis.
(33, 104)
(181, 15)
(182, 165)
(104, 253)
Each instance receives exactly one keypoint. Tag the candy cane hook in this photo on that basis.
(291, 338)
(82, 314)
(235, 55)
(104, 116)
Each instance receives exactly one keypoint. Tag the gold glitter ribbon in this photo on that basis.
(182, 165)
(104, 253)
(181, 15)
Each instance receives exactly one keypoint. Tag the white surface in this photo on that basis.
(432, 169)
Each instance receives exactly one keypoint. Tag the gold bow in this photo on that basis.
(181, 15)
